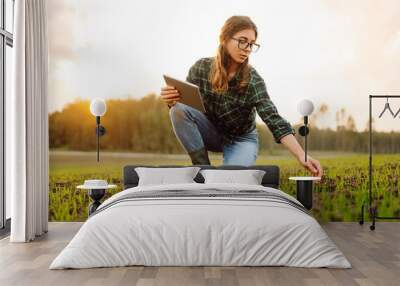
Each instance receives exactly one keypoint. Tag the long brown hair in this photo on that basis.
(219, 74)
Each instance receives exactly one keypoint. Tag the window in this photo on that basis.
(9, 11)
(6, 44)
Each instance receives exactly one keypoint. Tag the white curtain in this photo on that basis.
(28, 122)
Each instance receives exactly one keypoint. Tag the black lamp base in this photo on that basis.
(304, 130)
(100, 130)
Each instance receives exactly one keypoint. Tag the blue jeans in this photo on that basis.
(195, 132)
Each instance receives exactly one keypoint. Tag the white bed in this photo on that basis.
(183, 231)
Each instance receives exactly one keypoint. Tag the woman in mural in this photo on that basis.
(232, 92)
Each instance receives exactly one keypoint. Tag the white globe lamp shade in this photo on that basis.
(98, 107)
(305, 107)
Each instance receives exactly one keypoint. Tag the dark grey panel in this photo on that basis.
(270, 179)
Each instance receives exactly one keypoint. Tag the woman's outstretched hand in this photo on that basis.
(311, 165)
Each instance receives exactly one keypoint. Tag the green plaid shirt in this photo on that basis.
(233, 113)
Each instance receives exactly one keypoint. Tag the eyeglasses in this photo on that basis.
(243, 45)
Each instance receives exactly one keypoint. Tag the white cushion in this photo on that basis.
(248, 177)
(164, 176)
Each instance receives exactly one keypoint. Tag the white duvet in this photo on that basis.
(200, 231)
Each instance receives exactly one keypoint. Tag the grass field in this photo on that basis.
(338, 197)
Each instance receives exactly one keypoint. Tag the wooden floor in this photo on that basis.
(375, 257)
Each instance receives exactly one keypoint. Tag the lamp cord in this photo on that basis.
(97, 137)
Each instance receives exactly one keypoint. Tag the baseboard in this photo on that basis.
(5, 231)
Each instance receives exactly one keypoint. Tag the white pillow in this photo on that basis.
(249, 177)
(163, 176)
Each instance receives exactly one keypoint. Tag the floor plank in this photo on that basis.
(374, 255)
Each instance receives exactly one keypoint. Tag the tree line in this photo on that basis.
(143, 125)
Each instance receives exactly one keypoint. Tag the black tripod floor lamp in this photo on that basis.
(98, 108)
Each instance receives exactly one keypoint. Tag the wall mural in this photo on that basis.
(118, 66)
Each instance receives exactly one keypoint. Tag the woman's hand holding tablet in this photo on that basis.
(170, 95)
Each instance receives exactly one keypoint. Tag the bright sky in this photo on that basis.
(334, 52)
